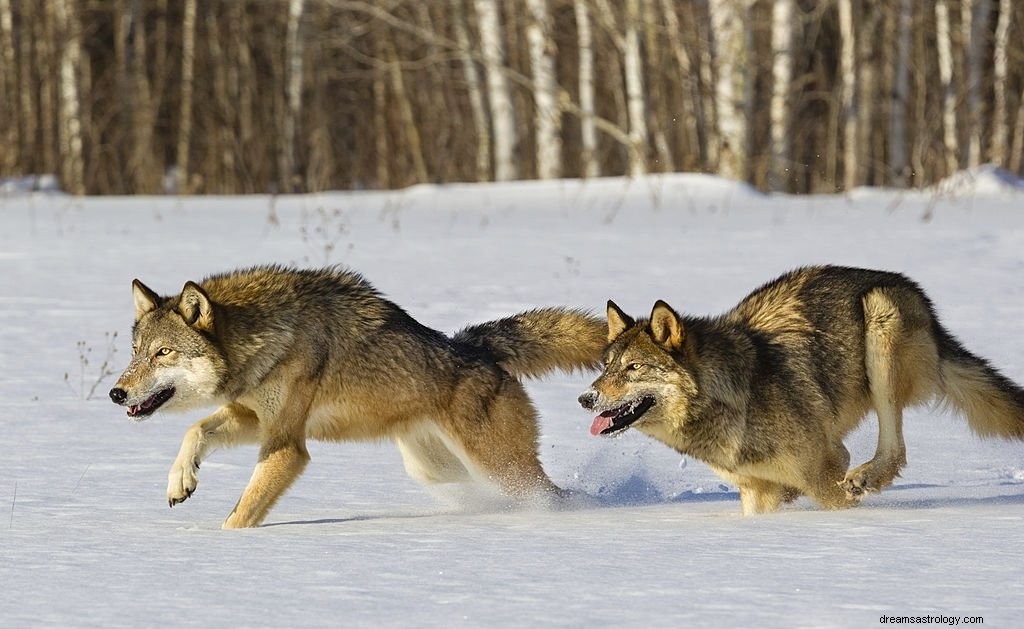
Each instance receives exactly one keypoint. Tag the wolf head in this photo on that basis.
(176, 365)
(646, 381)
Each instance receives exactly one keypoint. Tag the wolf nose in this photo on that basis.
(587, 399)
(118, 395)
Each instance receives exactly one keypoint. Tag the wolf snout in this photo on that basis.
(588, 399)
(118, 395)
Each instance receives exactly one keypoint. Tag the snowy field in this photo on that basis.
(86, 538)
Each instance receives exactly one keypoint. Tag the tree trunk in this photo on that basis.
(476, 96)
(636, 105)
(142, 161)
(502, 113)
(69, 129)
(188, 54)
(848, 94)
(290, 178)
(548, 115)
(412, 132)
(692, 107)
(10, 156)
(783, 38)
(901, 87)
(975, 18)
(728, 18)
(48, 71)
(1017, 146)
(943, 35)
(588, 130)
(1000, 122)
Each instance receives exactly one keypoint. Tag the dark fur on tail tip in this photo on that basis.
(535, 342)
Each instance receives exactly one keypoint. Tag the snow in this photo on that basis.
(86, 538)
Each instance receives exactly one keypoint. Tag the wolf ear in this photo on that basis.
(145, 299)
(618, 321)
(666, 328)
(195, 307)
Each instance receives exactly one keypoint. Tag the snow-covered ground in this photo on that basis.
(86, 538)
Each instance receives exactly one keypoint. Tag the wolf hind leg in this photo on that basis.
(428, 459)
(762, 496)
(899, 355)
(495, 435)
(228, 426)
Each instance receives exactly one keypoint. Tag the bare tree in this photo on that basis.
(10, 156)
(848, 94)
(1000, 123)
(633, 66)
(502, 112)
(188, 56)
(943, 36)
(476, 97)
(898, 163)
(72, 170)
(692, 109)
(588, 129)
(975, 19)
(548, 118)
(293, 55)
(784, 27)
(728, 18)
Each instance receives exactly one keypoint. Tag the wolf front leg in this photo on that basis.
(278, 468)
(283, 455)
(228, 426)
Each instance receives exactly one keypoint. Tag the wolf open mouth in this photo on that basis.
(621, 418)
(149, 406)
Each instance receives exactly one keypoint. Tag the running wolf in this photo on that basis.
(291, 355)
(766, 392)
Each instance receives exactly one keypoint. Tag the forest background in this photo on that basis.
(281, 96)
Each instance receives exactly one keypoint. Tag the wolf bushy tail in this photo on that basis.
(992, 403)
(535, 342)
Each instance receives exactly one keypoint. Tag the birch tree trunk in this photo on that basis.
(975, 25)
(730, 60)
(783, 37)
(476, 97)
(548, 116)
(999, 77)
(943, 36)
(502, 113)
(636, 105)
(289, 178)
(588, 130)
(900, 92)
(69, 128)
(188, 53)
(848, 94)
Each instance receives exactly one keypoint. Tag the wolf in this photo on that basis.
(765, 393)
(295, 354)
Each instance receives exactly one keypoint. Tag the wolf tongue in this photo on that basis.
(601, 423)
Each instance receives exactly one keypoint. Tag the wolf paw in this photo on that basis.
(870, 477)
(182, 481)
(855, 487)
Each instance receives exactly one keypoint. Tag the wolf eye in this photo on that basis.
(633, 366)
(164, 351)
